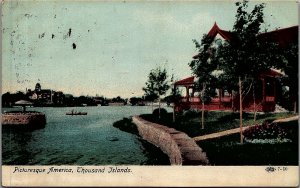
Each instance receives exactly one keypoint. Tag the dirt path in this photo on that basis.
(287, 119)
(237, 130)
(219, 134)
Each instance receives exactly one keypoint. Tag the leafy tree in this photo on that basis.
(239, 60)
(174, 96)
(245, 56)
(118, 99)
(290, 67)
(6, 99)
(228, 82)
(203, 68)
(135, 100)
(149, 96)
(157, 84)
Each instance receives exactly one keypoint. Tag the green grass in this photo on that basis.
(215, 121)
(228, 151)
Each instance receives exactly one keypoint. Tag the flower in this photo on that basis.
(264, 131)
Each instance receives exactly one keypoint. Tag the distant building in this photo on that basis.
(58, 97)
(33, 96)
(45, 95)
(38, 87)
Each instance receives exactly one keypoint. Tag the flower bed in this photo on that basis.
(265, 133)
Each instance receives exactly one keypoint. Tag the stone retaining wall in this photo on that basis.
(181, 149)
(24, 119)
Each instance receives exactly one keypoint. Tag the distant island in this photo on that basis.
(51, 98)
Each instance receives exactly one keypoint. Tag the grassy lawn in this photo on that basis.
(228, 151)
(215, 121)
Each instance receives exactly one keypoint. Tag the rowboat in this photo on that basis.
(76, 113)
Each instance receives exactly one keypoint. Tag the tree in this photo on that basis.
(228, 82)
(174, 97)
(203, 68)
(239, 61)
(135, 101)
(150, 94)
(150, 97)
(157, 84)
(6, 99)
(245, 55)
(290, 67)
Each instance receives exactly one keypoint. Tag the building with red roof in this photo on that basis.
(228, 100)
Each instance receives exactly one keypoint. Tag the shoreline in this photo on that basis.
(181, 149)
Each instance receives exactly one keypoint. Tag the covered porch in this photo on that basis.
(265, 99)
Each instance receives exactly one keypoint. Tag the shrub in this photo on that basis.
(191, 113)
(163, 112)
(126, 125)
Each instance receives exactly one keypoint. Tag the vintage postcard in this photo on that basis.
(149, 93)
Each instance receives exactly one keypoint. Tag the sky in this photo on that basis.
(108, 48)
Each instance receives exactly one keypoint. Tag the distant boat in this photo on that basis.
(76, 113)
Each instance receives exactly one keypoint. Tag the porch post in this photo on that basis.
(187, 94)
(220, 96)
(263, 89)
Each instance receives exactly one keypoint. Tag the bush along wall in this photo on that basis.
(126, 125)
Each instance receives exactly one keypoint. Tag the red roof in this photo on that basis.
(216, 30)
(186, 81)
(283, 36)
(270, 73)
(190, 80)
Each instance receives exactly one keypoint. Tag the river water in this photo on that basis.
(80, 140)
